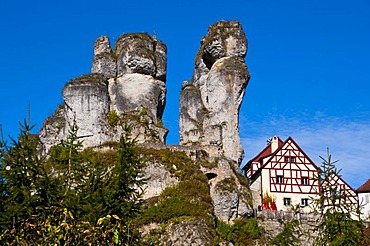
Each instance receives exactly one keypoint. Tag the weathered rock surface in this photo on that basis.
(140, 53)
(104, 61)
(127, 82)
(210, 102)
(159, 178)
(86, 104)
(230, 197)
(132, 92)
(188, 233)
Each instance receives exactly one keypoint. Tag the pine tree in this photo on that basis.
(76, 197)
(339, 222)
(122, 196)
(25, 182)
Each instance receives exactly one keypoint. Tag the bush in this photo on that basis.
(243, 232)
(113, 118)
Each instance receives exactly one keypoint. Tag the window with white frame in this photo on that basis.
(304, 202)
(287, 201)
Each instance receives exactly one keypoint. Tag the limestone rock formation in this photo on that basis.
(230, 196)
(104, 61)
(159, 178)
(210, 102)
(126, 84)
(188, 233)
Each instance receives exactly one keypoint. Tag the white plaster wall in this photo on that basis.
(364, 200)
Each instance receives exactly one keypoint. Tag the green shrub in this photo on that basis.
(243, 232)
(289, 235)
(113, 118)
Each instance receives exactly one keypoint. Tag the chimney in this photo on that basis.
(274, 143)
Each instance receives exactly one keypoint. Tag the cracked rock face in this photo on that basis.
(230, 197)
(129, 80)
(140, 53)
(210, 102)
(104, 61)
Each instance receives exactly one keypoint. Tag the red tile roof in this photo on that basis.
(266, 151)
(365, 187)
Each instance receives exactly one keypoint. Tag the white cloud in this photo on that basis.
(348, 141)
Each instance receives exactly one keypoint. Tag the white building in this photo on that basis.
(364, 200)
(282, 176)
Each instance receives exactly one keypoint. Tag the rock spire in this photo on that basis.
(210, 102)
(126, 83)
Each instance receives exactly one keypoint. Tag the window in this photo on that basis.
(286, 201)
(367, 198)
(279, 179)
(304, 181)
(289, 159)
(304, 202)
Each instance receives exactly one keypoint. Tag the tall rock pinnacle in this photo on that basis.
(210, 102)
(125, 84)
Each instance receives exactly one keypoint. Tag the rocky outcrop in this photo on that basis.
(210, 102)
(104, 61)
(230, 196)
(159, 178)
(127, 84)
(188, 233)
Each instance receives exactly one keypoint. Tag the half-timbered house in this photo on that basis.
(283, 174)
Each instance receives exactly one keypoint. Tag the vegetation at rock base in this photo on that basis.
(242, 232)
(190, 198)
(113, 118)
(79, 196)
(75, 197)
(290, 235)
(339, 221)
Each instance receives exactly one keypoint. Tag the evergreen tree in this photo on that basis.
(25, 183)
(76, 197)
(122, 194)
(339, 222)
(69, 170)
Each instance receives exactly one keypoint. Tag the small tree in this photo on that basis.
(125, 188)
(290, 235)
(339, 222)
(25, 182)
(77, 197)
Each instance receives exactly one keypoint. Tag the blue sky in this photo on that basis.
(309, 63)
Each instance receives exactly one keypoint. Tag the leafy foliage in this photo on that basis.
(113, 118)
(243, 232)
(189, 198)
(289, 235)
